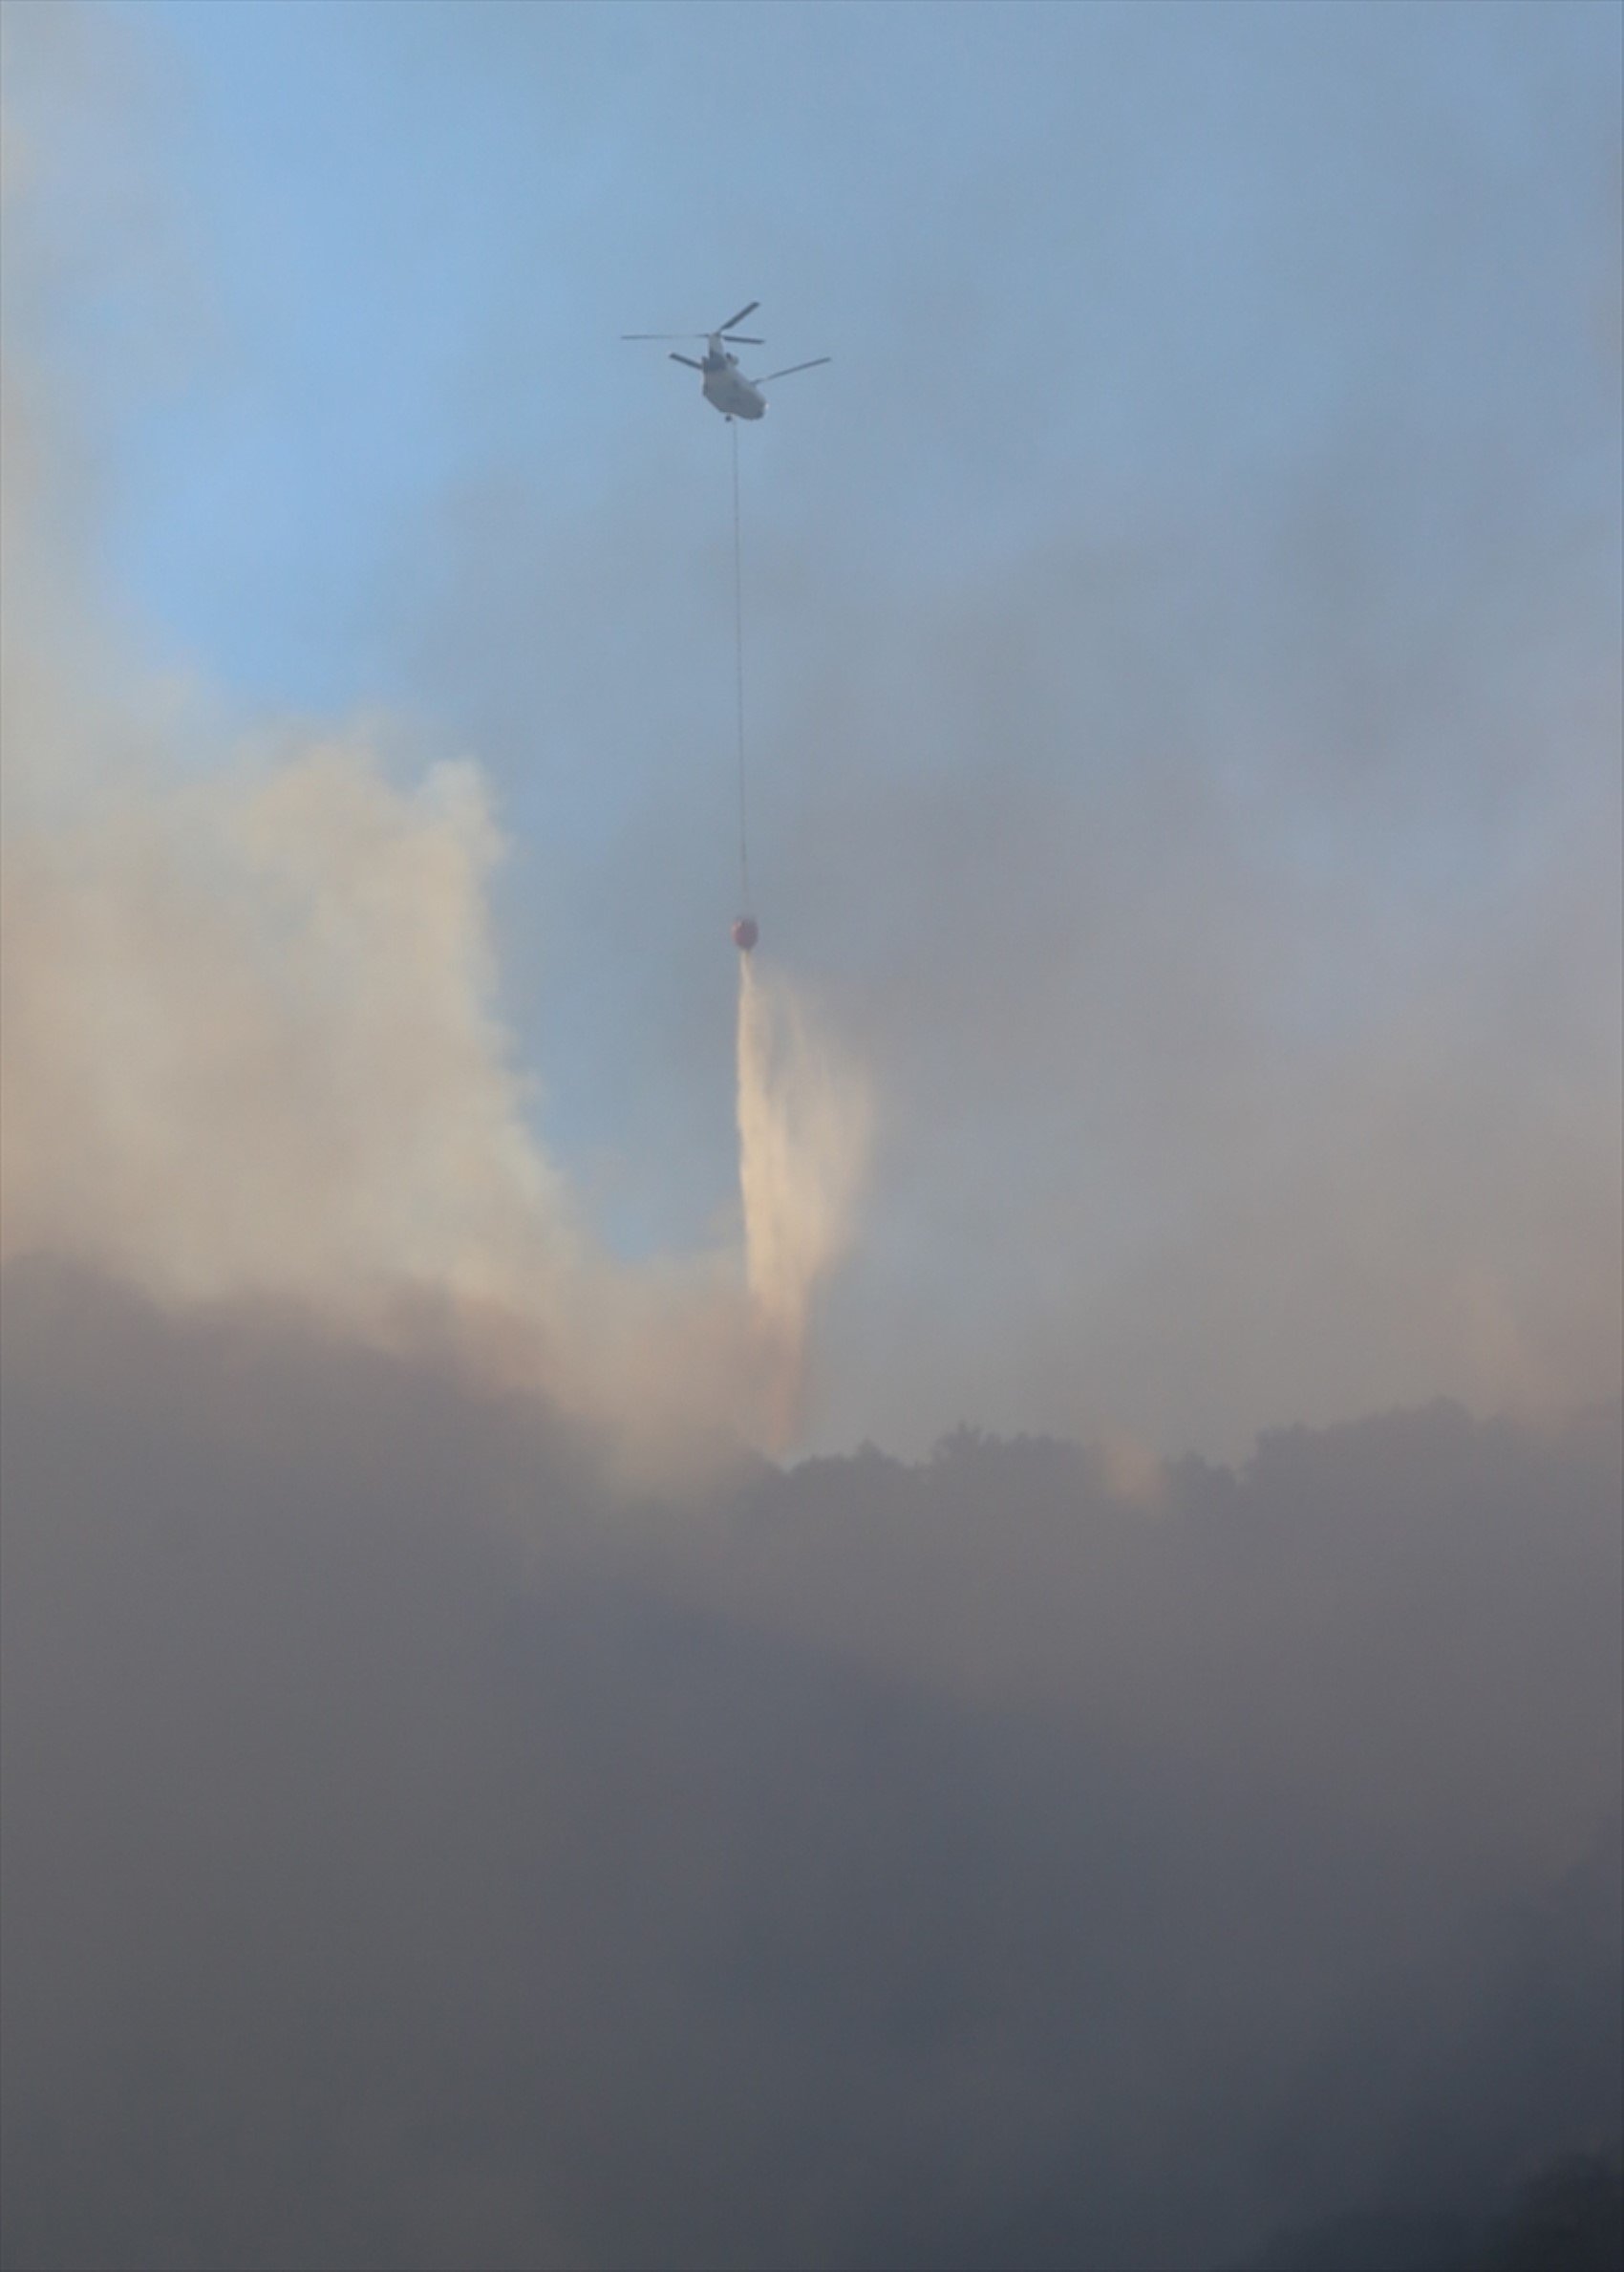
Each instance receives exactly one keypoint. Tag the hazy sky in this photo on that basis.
(462, 1802)
(1183, 645)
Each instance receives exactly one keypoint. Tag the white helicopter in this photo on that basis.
(722, 383)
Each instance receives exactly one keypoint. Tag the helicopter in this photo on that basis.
(722, 383)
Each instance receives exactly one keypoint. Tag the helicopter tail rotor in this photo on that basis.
(791, 369)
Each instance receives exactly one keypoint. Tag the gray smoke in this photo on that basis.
(413, 1855)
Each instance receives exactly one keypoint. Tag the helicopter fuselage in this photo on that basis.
(721, 382)
(726, 389)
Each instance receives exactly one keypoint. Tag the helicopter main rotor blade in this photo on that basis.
(739, 317)
(689, 360)
(665, 334)
(791, 370)
(740, 339)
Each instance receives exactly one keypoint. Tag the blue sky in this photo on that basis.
(1068, 258)
(1211, 517)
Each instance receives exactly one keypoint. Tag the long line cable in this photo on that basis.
(739, 673)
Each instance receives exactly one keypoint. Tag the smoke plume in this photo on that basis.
(253, 1047)
(412, 1859)
(459, 1809)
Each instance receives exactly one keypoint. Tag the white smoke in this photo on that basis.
(252, 1047)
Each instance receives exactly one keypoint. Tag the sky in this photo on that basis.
(1181, 623)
